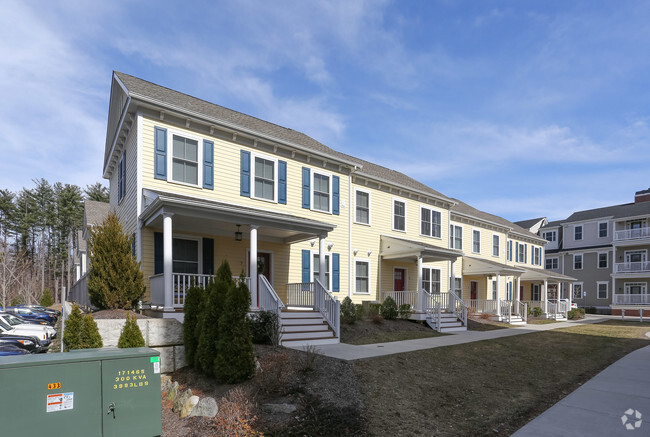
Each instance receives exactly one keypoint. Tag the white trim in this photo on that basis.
(475, 241)
(431, 211)
(627, 285)
(556, 258)
(643, 252)
(498, 255)
(170, 157)
(582, 232)
(248, 267)
(354, 210)
(312, 175)
(554, 232)
(582, 261)
(276, 177)
(598, 284)
(606, 260)
(582, 291)
(406, 277)
(199, 248)
(392, 214)
(453, 238)
(328, 255)
(354, 275)
(440, 289)
(598, 229)
(138, 187)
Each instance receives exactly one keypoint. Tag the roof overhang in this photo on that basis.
(393, 248)
(544, 275)
(478, 266)
(218, 218)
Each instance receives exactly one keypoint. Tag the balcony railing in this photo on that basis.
(632, 267)
(631, 299)
(632, 234)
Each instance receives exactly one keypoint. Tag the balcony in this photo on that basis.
(631, 299)
(632, 267)
(632, 234)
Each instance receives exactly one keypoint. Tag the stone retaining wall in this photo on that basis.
(163, 335)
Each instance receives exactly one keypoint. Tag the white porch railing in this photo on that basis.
(506, 311)
(523, 311)
(632, 267)
(534, 303)
(433, 309)
(631, 299)
(632, 234)
(316, 296)
(458, 307)
(402, 297)
(482, 306)
(269, 300)
(558, 308)
(181, 282)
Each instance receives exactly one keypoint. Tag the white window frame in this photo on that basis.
(199, 248)
(508, 250)
(628, 285)
(582, 261)
(537, 255)
(494, 290)
(575, 231)
(453, 230)
(557, 263)
(521, 253)
(580, 296)
(458, 291)
(358, 190)
(170, 157)
(536, 291)
(354, 274)
(476, 241)
(497, 246)
(606, 229)
(430, 276)
(431, 212)
(643, 252)
(598, 284)
(312, 186)
(312, 269)
(276, 179)
(552, 233)
(606, 260)
(392, 214)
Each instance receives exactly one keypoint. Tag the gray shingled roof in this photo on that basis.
(615, 211)
(95, 212)
(463, 208)
(141, 88)
(527, 224)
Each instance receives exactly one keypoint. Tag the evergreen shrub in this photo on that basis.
(537, 311)
(89, 335)
(265, 328)
(360, 310)
(72, 331)
(404, 311)
(195, 299)
(46, 299)
(131, 335)
(389, 309)
(348, 311)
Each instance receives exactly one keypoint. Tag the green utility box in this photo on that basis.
(92, 392)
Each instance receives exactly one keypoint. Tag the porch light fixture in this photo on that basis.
(369, 252)
(355, 251)
(238, 234)
(312, 242)
(330, 245)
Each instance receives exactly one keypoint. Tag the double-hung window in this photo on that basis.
(430, 222)
(577, 262)
(494, 290)
(549, 235)
(602, 229)
(577, 290)
(535, 292)
(602, 290)
(321, 192)
(456, 237)
(185, 160)
(185, 255)
(362, 207)
(577, 232)
(509, 250)
(551, 263)
(361, 276)
(316, 269)
(495, 245)
(476, 241)
(431, 279)
(264, 177)
(602, 260)
(521, 253)
(537, 256)
(399, 215)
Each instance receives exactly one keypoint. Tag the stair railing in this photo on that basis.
(328, 306)
(523, 311)
(458, 307)
(269, 300)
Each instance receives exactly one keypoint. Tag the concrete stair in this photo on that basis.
(448, 323)
(305, 327)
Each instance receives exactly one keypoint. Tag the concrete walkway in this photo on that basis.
(351, 352)
(616, 402)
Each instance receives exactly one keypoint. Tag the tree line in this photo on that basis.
(38, 228)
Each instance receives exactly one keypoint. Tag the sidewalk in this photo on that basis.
(606, 405)
(351, 352)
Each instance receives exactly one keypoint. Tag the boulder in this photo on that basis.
(207, 407)
(180, 400)
(173, 391)
(188, 406)
(165, 383)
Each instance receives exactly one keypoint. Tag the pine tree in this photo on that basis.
(131, 335)
(97, 192)
(115, 278)
(235, 360)
(195, 300)
(72, 331)
(89, 335)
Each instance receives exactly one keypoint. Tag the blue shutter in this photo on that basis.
(160, 159)
(335, 272)
(517, 252)
(208, 164)
(525, 253)
(245, 173)
(335, 195)
(306, 258)
(305, 188)
(282, 182)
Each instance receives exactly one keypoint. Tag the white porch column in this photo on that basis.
(611, 295)
(515, 296)
(498, 296)
(168, 279)
(321, 260)
(253, 266)
(570, 293)
(452, 286)
(557, 300)
(419, 285)
(545, 296)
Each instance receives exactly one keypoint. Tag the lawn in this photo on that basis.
(369, 332)
(488, 387)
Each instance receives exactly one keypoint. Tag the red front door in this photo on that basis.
(521, 292)
(473, 290)
(399, 279)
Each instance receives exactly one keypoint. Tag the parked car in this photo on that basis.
(19, 323)
(42, 309)
(28, 343)
(31, 314)
(41, 338)
(8, 349)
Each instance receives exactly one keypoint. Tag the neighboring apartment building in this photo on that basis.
(196, 184)
(606, 249)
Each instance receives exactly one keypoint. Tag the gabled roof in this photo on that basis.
(615, 211)
(166, 97)
(95, 212)
(527, 224)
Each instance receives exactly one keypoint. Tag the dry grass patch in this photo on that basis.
(487, 387)
(369, 332)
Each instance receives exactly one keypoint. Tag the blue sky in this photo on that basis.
(522, 109)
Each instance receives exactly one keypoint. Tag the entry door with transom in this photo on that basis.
(473, 290)
(399, 283)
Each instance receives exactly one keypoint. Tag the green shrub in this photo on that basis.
(46, 299)
(131, 335)
(235, 360)
(374, 309)
(404, 311)
(208, 327)
(537, 311)
(389, 309)
(581, 311)
(17, 300)
(360, 310)
(265, 328)
(348, 311)
(572, 314)
(72, 331)
(90, 338)
(529, 310)
(195, 299)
